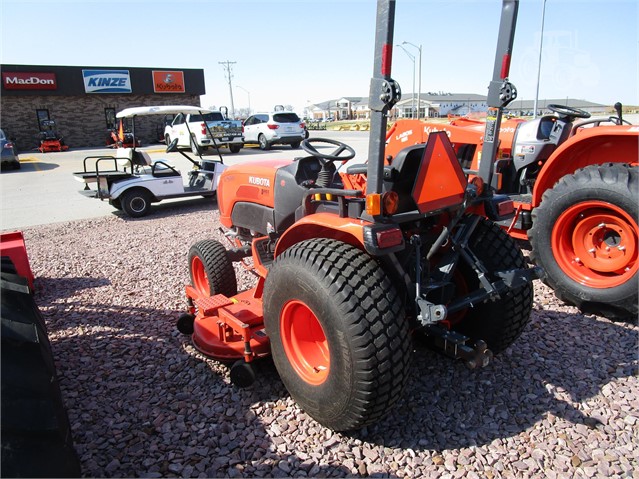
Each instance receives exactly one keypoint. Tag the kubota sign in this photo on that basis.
(106, 81)
(168, 81)
(28, 81)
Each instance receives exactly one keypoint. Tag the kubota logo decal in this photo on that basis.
(255, 180)
(106, 81)
(168, 82)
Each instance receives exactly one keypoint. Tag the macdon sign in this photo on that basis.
(29, 81)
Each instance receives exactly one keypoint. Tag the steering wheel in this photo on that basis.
(568, 111)
(171, 147)
(307, 146)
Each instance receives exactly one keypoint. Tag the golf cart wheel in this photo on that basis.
(211, 270)
(263, 142)
(501, 321)
(235, 148)
(585, 235)
(136, 202)
(339, 336)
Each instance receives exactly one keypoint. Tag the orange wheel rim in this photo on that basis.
(304, 342)
(595, 244)
(198, 275)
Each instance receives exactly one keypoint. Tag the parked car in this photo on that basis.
(10, 158)
(278, 127)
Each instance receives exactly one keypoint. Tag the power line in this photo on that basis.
(229, 76)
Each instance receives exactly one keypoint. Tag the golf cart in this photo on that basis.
(131, 181)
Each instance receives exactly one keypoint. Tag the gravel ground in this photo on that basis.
(562, 402)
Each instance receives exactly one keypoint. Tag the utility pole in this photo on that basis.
(229, 76)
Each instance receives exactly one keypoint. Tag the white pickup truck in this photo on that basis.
(206, 129)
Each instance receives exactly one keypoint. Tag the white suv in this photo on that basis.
(279, 127)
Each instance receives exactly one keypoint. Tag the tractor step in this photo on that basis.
(456, 346)
(262, 247)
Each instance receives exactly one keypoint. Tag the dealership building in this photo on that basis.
(83, 101)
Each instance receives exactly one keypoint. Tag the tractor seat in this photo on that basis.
(402, 174)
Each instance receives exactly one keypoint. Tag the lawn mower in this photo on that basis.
(50, 139)
(122, 137)
(346, 277)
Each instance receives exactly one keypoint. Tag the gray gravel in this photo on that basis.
(562, 402)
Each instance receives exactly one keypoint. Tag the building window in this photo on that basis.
(109, 116)
(43, 118)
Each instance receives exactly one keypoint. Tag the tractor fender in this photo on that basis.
(591, 146)
(323, 225)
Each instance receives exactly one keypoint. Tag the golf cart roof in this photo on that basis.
(159, 110)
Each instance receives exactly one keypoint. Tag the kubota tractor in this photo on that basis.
(575, 184)
(345, 277)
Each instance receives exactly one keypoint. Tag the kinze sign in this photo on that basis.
(106, 81)
(28, 81)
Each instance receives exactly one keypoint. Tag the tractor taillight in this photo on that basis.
(272, 126)
(389, 238)
(390, 202)
(203, 128)
(374, 204)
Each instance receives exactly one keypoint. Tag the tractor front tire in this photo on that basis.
(339, 336)
(585, 236)
(211, 270)
(136, 202)
(501, 321)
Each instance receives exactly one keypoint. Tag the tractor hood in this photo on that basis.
(247, 183)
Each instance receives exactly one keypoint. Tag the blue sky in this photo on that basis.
(295, 52)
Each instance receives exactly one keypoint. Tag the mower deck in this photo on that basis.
(229, 329)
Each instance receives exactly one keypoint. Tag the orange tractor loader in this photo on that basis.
(574, 181)
(347, 276)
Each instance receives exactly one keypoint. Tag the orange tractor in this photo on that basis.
(575, 185)
(347, 276)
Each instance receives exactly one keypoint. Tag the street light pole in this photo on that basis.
(249, 98)
(419, 87)
(412, 57)
(541, 42)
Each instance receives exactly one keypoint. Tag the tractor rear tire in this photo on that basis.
(211, 270)
(585, 236)
(501, 321)
(339, 336)
(136, 202)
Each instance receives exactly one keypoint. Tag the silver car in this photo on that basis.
(10, 159)
(275, 128)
